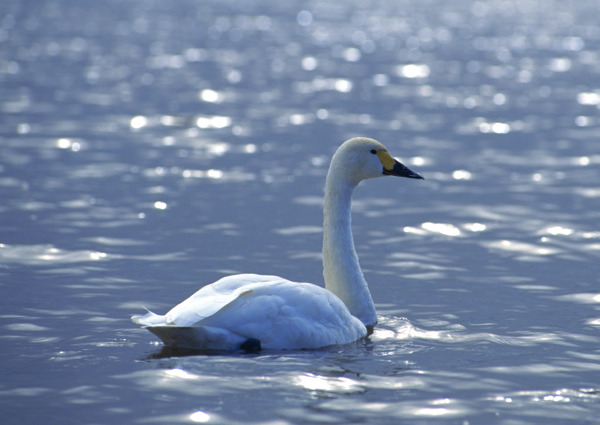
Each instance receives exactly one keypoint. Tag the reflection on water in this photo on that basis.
(147, 149)
(40, 255)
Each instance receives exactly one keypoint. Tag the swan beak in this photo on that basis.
(393, 167)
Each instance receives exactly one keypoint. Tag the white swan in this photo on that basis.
(251, 312)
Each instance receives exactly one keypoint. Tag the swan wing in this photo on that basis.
(284, 314)
(214, 297)
(204, 302)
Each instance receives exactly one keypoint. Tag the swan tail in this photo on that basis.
(194, 337)
(198, 337)
(148, 319)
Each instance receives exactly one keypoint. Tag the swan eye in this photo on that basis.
(373, 151)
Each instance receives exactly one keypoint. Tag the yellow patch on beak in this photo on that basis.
(386, 160)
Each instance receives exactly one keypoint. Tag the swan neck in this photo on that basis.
(341, 269)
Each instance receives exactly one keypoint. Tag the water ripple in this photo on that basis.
(40, 255)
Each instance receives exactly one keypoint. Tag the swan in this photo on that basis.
(251, 312)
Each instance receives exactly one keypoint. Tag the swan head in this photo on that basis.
(362, 158)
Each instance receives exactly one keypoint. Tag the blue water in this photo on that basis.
(149, 148)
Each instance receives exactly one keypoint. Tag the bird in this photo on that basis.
(251, 312)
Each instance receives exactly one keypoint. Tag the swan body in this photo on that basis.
(272, 312)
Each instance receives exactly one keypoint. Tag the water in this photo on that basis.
(149, 148)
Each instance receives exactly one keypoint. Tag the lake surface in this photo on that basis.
(148, 148)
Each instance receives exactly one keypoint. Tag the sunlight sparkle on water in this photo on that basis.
(94, 255)
(441, 228)
(199, 174)
(217, 148)
(64, 143)
(138, 122)
(199, 417)
(250, 148)
(351, 54)
(325, 383)
(298, 119)
(419, 161)
(434, 411)
(522, 247)
(169, 120)
(309, 63)
(179, 373)
(343, 86)
(560, 64)
(475, 227)
(213, 122)
(461, 175)
(413, 70)
(214, 174)
(211, 96)
(494, 127)
(588, 98)
(557, 231)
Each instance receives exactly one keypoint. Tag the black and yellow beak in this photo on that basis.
(393, 167)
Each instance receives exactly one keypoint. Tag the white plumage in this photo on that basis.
(272, 312)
